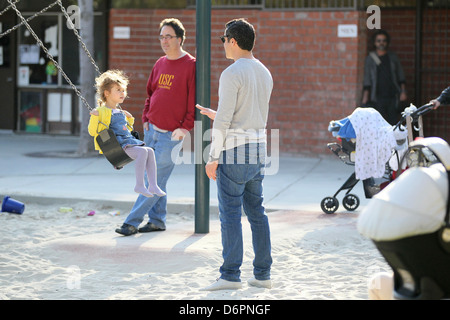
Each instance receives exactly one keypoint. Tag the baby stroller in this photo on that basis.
(377, 161)
(409, 223)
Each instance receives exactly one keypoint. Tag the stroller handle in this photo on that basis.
(415, 115)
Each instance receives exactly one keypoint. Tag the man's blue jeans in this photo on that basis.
(156, 207)
(239, 184)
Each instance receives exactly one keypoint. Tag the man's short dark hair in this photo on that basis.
(243, 32)
(177, 26)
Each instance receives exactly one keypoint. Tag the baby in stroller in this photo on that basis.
(373, 146)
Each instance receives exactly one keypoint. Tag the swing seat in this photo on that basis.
(112, 150)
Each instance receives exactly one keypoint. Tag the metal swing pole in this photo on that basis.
(202, 123)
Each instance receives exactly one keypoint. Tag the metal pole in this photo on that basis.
(418, 54)
(202, 123)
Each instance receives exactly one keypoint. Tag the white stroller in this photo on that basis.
(367, 142)
(409, 223)
(375, 148)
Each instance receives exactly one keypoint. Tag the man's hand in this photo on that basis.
(435, 104)
(403, 96)
(145, 125)
(210, 113)
(211, 169)
(179, 133)
(127, 114)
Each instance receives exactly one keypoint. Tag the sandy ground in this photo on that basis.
(47, 254)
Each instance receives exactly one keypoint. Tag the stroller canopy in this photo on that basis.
(413, 204)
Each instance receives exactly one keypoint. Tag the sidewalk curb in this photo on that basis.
(122, 205)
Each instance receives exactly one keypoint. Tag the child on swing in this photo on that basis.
(112, 90)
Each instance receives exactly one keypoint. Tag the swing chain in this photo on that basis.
(77, 35)
(28, 19)
(8, 7)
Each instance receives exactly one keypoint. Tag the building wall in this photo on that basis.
(317, 76)
(436, 69)
(435, 62)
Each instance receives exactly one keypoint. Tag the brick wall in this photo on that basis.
(317, 76)
(435, 62)
(137, 55)
(401, 25)
(436, 69)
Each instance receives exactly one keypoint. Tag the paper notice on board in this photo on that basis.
(51, 36)
(121, 33)
(59, 107)
(347, 31)
(29, 53)
(24, 76)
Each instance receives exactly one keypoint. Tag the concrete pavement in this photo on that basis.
(42, 168)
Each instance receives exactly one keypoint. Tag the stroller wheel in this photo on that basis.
(350, 202)
(329, 204)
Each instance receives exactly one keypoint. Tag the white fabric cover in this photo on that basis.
(401, 135)
(413, 204)
(439, 147)
(375, 141)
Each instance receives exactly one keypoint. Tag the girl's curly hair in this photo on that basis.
(106, 80)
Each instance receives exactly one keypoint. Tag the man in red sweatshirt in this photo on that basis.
(167, 117)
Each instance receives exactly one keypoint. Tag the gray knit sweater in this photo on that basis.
(244, 93)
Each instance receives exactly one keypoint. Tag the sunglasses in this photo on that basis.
(223, 38)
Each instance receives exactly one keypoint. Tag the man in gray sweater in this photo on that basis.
(237, 156)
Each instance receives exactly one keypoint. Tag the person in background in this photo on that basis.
(384, 80)
(167, 117)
